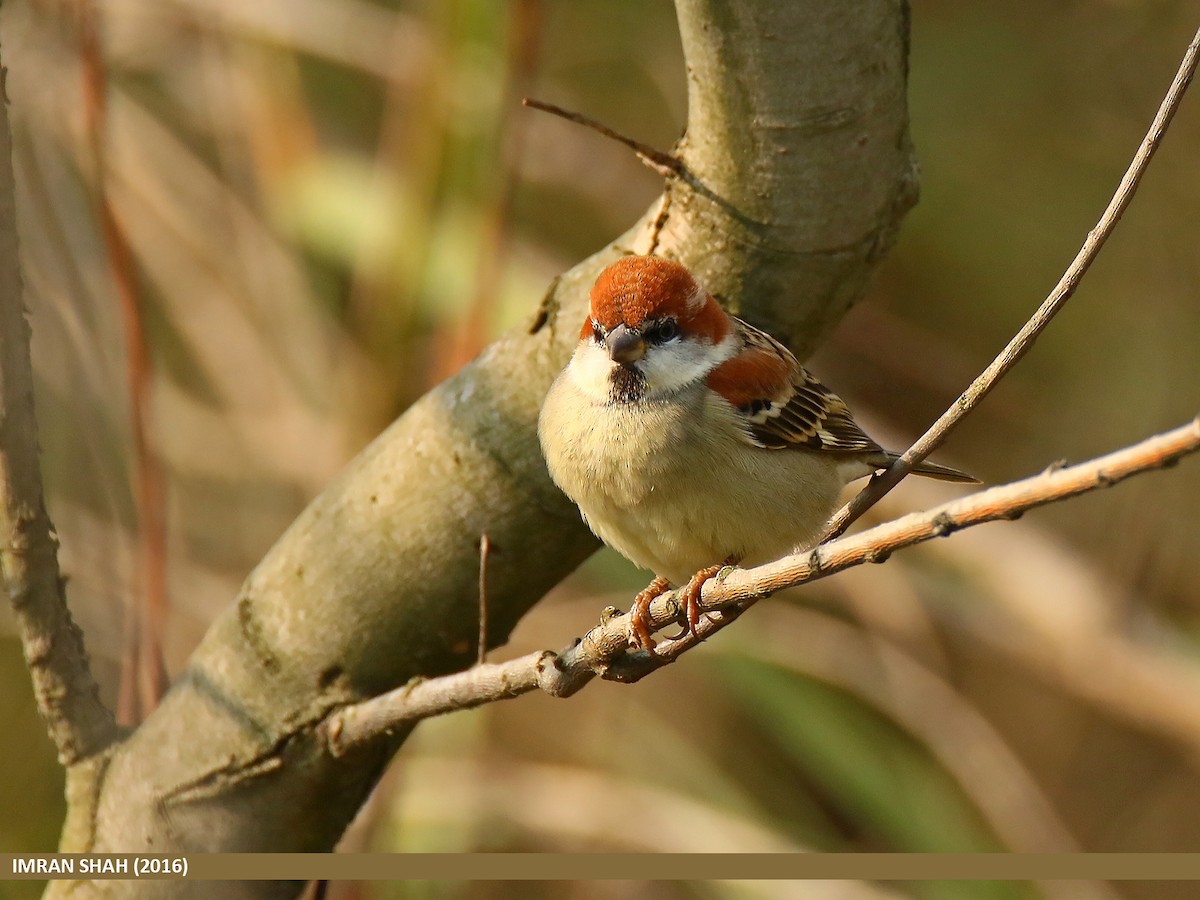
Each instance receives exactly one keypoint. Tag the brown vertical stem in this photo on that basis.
(525, 27)
(143, 673)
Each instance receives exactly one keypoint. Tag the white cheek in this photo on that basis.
(590, 368)
(678, 364)
(669, 368)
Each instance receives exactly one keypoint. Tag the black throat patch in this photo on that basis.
(626, 385)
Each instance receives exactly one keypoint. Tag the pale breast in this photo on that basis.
(674, 487)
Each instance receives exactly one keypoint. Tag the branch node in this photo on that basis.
(943, 525)
(555, 678)
(333, 737)
(634, 665)
(673, 609)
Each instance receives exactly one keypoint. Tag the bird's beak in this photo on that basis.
(625, 345)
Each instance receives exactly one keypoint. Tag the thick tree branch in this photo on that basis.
(79, 723)
(603, 650)
(883, 482)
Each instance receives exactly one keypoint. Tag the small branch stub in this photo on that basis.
(485, 548)
(665, 164)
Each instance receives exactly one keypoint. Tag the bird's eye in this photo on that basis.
(663, 331)
(597, 332)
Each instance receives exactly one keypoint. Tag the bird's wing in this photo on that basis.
(783, 405)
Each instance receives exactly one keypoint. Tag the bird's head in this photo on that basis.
(651, 331)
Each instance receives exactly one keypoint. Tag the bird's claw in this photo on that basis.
(691, 596)
(639, 614)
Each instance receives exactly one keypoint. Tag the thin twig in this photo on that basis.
(67, 694)
(668, 165)
(143, 673)
(485, 547)
(882, 483)
(665, 164)
(604, 650)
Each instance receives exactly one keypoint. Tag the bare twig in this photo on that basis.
(665, 164)
(485, 547)
(143, 673)
(67, 695)
(882, 483)
(604, 650)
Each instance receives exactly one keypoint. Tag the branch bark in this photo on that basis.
(67, 695)
(604, 650)
(798, 186)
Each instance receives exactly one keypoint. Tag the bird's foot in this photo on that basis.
(639, 614)
(691, 596)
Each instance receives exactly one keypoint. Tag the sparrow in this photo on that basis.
(691, 440)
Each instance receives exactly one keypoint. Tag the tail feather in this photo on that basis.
(944, 473)
(864, 463)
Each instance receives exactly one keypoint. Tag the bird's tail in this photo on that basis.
(881, 459)
(944, 473)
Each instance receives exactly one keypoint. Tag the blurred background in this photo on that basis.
(253, 233)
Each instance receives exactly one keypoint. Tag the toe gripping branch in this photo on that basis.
(639, 615)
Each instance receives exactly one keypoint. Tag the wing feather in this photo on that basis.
(784, 405)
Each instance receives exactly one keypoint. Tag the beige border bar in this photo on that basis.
(669, 866)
